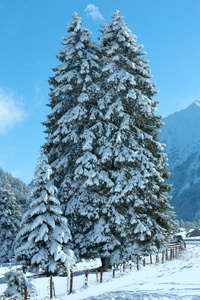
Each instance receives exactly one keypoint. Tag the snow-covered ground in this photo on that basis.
(175, 279)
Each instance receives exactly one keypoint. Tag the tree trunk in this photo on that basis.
(106, 264)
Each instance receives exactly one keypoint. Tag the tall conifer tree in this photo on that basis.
(103, 145)
(123, 201)
(72, 125)
(140, 194)
(73, 99)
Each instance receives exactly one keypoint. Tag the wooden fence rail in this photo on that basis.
(172, 252)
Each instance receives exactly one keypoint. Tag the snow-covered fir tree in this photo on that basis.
(103, 145)
(73, 99)
(121, 207)
(43, 239)
(140, 217)
(72, 124)
(10, 222)
(16, 282)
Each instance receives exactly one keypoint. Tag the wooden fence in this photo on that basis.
(172, 252)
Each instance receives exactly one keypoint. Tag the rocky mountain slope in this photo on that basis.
(181, 134)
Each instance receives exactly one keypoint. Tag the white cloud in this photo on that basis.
(16, 173)
(38, 98)
(93, 11)
(11, 111)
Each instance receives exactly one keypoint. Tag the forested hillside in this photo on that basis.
(18, 187)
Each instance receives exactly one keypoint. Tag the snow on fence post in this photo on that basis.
(54, 291)
(25, 293)
(51, 287)
(86, 277)
(71, 282)
(68, 278)
(124, 266)
(113, 269)
(101, 276)
(138, 263)
(120, 267)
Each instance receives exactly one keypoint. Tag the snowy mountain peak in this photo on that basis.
(181, 136)
(197, 102)
(194, 106)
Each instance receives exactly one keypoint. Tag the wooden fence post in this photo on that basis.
(86, 277)
(157, 260)
(138, 263)
(130, 262)
(144, 262)
(97, 276)
(51, 287)
(171, 254)
(71, 282)
(113, 270)
(151, 259)
(163, 257)
(166, 256)
(124, 263)
(179, 250)
(25, 293)
(101, 277)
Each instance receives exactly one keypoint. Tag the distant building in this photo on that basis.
(194, 233)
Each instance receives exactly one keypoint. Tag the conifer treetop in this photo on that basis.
(76, 23)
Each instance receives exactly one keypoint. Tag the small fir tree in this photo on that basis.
(44, 236)
(10, 222)
(16, 282)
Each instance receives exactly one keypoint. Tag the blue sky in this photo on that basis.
(31, 34)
